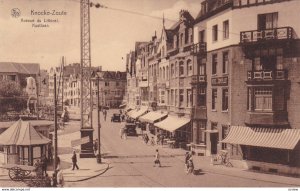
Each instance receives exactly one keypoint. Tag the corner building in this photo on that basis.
(252, 84)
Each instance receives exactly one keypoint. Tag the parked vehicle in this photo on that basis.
(116, 117)
(130, 129)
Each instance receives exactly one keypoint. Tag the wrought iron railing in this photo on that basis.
(267, 75)
(267, 34)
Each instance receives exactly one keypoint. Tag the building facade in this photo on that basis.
(233, 72)
(251, 68)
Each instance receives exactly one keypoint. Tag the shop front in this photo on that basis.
(266, 149)
(176, 130)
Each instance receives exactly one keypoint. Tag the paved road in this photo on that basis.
(131, 163)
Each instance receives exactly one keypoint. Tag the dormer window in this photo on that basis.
(175, 41)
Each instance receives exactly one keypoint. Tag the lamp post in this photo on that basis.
(99, 124)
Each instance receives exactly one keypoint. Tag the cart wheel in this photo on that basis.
(16, 173)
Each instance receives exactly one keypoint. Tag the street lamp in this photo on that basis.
(98, 156)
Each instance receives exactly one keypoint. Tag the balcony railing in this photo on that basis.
(198, 48)
(267, 75)
(268, 34)
(198, 79)
(173, 52)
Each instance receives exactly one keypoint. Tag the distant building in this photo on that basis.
(19, 72)
(112, 86)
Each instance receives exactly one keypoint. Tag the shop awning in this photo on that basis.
(137, 112)
(263, 137)
(172, 123)
(122, 105)
(153, 116)
(22, 133)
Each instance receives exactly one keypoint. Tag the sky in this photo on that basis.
(113, 32)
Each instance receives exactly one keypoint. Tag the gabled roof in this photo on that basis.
(112, 75)
(22, 133)
(12, 67)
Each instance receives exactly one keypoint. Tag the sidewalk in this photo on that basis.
(203, 164)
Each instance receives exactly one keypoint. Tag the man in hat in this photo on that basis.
(74, 161)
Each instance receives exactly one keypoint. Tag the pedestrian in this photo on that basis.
(38, 168)
(162, 137)
(50, 154)
(190, 166)
(152, 142)
(57, 162)
(104, 113)
(54, 180)
(187, 157)
(44, 164)
(146, 138)
(121, 132)
(47, 181)
(95, 146)
(60, 178)
(74, 161)
(157, 159)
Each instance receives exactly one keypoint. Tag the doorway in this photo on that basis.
(214, 139)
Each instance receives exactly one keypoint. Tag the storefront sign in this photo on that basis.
(81, 141)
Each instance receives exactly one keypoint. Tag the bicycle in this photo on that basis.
(224, 159)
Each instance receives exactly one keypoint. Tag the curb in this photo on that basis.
(80, 180)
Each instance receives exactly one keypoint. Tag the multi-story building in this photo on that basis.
(251, 69)
(233, 72)
(112, 87)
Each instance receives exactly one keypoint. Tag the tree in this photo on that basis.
(11, 97)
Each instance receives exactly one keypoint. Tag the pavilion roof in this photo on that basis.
(22, 133)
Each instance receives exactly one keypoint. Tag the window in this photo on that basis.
(117, 83)
(267, 21)
(164, 73)
(181, 68)
(106, 83)
(215, 33)
(172, 70)
(225, 62)
(202, 69)
(201, 96)
(226, 29)
(213, 99)
(225, 99)
(225, 131)
(181, 97)
(214, 63)
(189, 67)
(175, 41)
(189, 98)
(263, 99)
(167, 73)
(176, 97)
(172, 97)
(201, 134)
(162, 97)
(202, 36)
(181, 39)
(163, 51)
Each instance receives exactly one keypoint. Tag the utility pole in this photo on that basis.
(98, 117)
(86, 104)
(62, 89)
(55, 128)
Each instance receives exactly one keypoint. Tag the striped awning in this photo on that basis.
(172, 123)
(137, 112)
(153, 116)
(263, 137)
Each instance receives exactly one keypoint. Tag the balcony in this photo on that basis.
(219, 81)
(275, 118)
(261, 75)
(201, 79)
(282, 33)
(199, 48)
(143, 83)
(173, 52)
